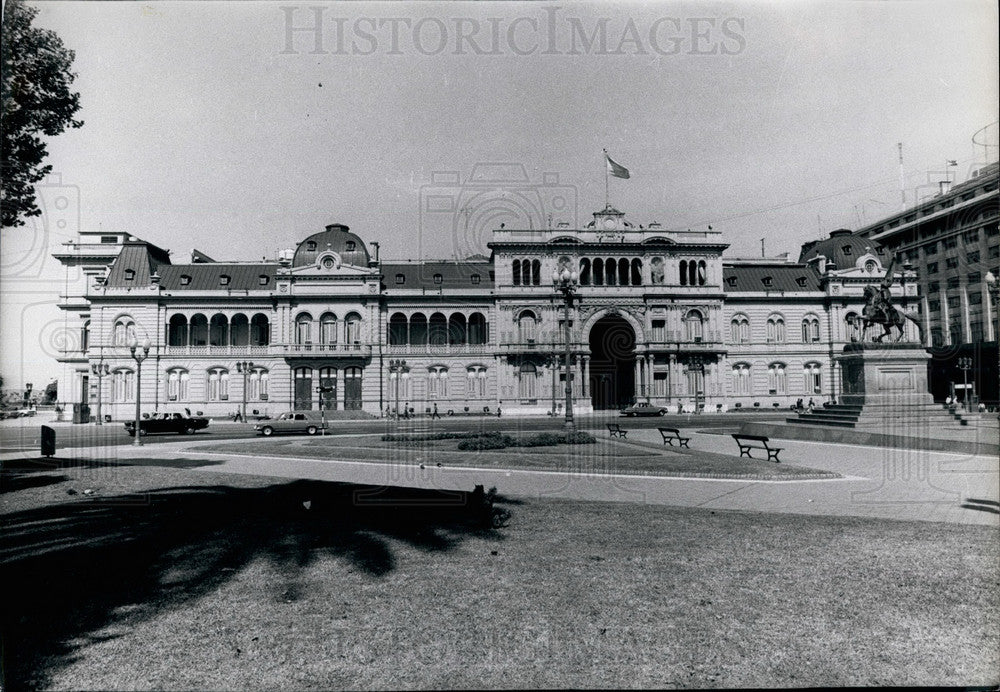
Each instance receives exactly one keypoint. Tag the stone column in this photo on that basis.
(637, 389)
(585, 385)
(650, 380)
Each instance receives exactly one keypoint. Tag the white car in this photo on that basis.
(291, 422)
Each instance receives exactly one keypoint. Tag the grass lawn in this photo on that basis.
(169, 578)
(604, 457)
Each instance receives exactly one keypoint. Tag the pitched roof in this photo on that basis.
(454, 275)
(744, 278)
(207, 277)
(137, 260)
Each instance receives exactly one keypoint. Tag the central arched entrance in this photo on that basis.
(612, 363)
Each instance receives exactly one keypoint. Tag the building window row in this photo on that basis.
(328, 329)
(527, 272)
(219, 330)
(611, 271)
(693, 272)
(438, 330)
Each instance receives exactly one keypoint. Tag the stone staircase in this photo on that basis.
(921, 414)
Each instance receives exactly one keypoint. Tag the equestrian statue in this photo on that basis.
(880, 310)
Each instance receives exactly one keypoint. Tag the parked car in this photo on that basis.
(290, 422)
(167, 423)
(643, 410)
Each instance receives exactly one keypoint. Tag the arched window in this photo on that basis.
(684, 272)
(239, 330)
(218, 384)
(124, 331)
(475, 381)
(810, 329)
(199, 330)
(257, 384)
(584, 272)
(636, 272)
(775, 329)
(260, 330)
(598, 272)
(526, 324)
(85, 337)
(693, 327)
(527, 376)
(438, 329)
(813, 378)
(702, 272)
(478, 334)
(177, 384)
(777, 382)
(352, 329)
(398, 332)
(456, 329)
(218, 330)
(516, 272)
(303, 328)
(623, 272)
(123, 385)
(692, 273)
(536, 273)
(739, 329)
(177, 331)
(328, 328)
(418, 329)
(742, 384)
(611, 271)
(437, 382)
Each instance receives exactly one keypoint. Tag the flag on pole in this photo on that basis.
(615, 169)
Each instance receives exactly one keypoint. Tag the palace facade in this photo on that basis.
(661, 316)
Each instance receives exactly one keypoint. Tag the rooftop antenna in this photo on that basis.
(902, 179)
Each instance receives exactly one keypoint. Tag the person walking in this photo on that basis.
(435, 413)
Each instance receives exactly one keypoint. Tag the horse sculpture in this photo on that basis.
(879, 311)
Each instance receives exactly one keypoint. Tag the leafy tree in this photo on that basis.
(37, 101)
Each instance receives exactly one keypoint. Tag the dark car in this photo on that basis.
(643, 410)
(167, 423)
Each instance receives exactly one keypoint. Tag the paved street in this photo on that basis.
(884, 483)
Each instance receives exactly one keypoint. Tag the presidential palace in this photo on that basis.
(660, 316)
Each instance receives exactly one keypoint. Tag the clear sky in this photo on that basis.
(208, 125)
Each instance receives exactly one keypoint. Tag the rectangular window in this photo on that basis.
(659, 384)
(949, 243)
(659, 330)
(951, 263)
(974, 277)
(972, 257)
(934, 305)
(953, 282)
(971, 236)
(994, 252)
(930, 249)
(975, 298)
(932, 268)
(953, 301)
(934, 287)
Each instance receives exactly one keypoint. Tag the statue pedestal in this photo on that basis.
(883, 374)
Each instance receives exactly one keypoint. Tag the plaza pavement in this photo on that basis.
(887, 483)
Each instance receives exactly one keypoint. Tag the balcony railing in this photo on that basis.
(217, 350)
(345, 350)
(438, 349)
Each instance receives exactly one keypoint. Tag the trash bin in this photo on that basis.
(48, 441)
(81, 413)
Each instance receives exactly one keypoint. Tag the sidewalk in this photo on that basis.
(902, 484)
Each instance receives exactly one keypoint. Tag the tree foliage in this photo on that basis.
(37, 102)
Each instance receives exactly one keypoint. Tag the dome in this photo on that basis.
(336, 238)
(843, 248)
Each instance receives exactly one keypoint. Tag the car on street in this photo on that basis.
(290, 422)
(167, 423)
(643, 410)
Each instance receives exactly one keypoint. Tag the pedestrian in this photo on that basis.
(406, 410)
(811, 404)
(498, 411)
(435, 414)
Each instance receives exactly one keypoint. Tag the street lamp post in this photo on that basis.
(964, 364)
(244, 367)
(100, 370)
(697, 364)
(993, 285)
(396, 366)
(566, 283)
(138, 355)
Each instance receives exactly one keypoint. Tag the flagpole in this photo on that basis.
(607, 201)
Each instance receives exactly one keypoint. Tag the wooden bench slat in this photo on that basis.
(671, 434)
(745, 447)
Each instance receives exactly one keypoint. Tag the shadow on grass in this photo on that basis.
(75, 570)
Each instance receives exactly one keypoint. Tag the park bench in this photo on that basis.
(746, 443)
(615, 430)
(671, 435)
